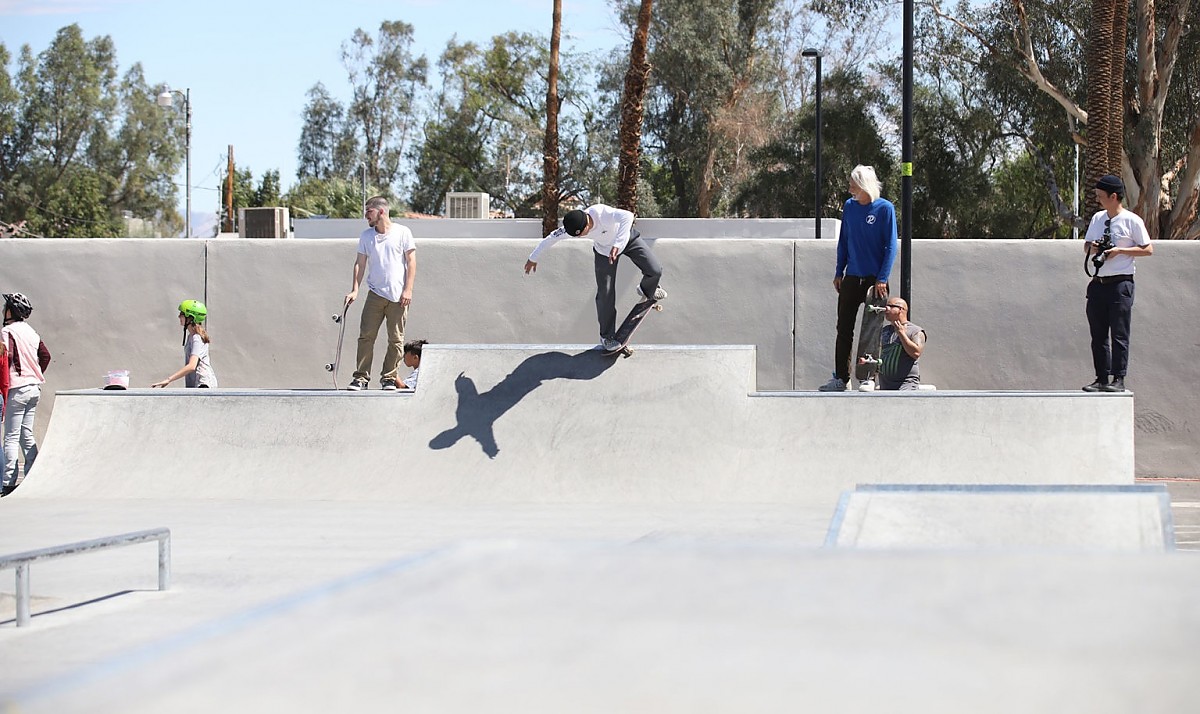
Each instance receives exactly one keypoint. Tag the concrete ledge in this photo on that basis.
(1133, 518)
(565, 424)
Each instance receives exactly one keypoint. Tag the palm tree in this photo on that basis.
(632, 112)
(550, 145)
(1106, 92)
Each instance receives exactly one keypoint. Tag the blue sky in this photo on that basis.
(248, 64)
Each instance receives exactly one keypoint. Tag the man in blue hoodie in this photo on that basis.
(867, 246)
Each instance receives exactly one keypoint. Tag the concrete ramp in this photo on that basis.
(732, 627)
(1112, 518)
(564, 424)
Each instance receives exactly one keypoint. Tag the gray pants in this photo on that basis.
(18, 430)
(606, 280)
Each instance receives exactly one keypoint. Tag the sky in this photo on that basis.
(248, 64)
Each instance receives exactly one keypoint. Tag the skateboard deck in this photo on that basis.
(868, 333)
(630, 325)
(337, 356)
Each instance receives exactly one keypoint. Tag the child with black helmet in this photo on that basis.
(197, 369)
(27, 359)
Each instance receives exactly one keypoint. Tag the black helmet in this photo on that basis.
(575, 222)
(18, 305)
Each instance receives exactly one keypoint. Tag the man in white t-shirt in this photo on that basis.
(387, 254)
(1110, 293)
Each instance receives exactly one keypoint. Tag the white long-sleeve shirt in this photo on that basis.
(610, 229)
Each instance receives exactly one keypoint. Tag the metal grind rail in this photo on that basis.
(22, 561)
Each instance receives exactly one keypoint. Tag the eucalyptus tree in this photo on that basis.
(710, 99)
(1135, 109)
(82, 143)
(385, 79)
(486, 130)
(327, 147)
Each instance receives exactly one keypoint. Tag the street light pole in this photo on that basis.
(167, 99)
(815, 53)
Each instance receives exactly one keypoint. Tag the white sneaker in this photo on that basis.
(867, 385)
(609, 345)
(659, 293)
(833, 385)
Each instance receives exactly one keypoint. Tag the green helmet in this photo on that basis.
(194, 310)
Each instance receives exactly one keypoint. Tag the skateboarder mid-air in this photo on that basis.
(613, 235)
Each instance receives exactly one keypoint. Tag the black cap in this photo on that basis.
(575, 222)
(1111, 184)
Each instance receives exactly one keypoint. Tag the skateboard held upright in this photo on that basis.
(868, 334)
(630, 325)
(337, 356)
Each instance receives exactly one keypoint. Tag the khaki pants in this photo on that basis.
(375, 309)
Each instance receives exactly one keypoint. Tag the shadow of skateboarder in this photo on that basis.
(477, 413)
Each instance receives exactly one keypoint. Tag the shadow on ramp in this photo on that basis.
(477, 413)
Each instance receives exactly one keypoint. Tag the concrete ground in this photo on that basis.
(376, 600)
(1185, 510)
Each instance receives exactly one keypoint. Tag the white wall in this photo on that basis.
(767, 228)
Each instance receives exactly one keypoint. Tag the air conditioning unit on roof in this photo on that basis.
(263, 222)
(467, 205)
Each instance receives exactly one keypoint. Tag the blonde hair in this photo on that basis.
(199, 330)
(378, 202)
(864, 177)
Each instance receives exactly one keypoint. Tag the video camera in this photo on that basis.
(1102, 246)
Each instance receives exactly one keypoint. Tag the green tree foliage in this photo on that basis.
(487, 128)
(331, 198)
(327, 145)
(782, 182)
(80, 144)
(247, 195)
(385, 78)
(710, 96)
(267, 193)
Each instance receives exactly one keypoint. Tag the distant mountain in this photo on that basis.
(204, 225)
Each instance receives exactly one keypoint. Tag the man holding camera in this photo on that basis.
(1114, 238)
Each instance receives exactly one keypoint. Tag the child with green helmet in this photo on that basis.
(197, 369)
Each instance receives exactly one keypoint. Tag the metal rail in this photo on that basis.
(22, 561)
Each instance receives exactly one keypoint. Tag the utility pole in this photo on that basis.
(228, 228)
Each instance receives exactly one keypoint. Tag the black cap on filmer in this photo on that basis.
(1111, 184)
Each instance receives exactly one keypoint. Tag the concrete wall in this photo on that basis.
(999, 314)
(723, 228)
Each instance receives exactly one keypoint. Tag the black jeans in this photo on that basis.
(851, 295)
(1109, 314)
(606, 280)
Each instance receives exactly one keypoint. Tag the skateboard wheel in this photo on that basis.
(658, 308)
(337, 318)
(329, 367)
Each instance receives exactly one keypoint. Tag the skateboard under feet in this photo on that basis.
(630, 325)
